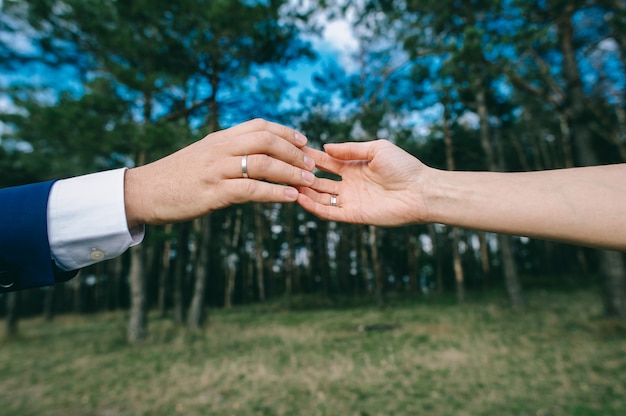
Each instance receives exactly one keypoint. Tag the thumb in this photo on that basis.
(351, 150)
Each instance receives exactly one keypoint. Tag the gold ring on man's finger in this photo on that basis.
(244, 166)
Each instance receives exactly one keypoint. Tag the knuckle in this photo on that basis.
(263, 163)
(297, 155)
(296, 175)
(273, 192)
(250, 188)
(259, 166)
(264, 137)
(259, 123)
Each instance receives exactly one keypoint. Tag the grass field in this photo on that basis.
(420, 358)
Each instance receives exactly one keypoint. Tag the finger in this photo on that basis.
(322, 198)
(264, 142)
(325, 212)
(246, 190)
(327, 186)
(264, 167)
(260, 125)
(352, 150)
(323, 161)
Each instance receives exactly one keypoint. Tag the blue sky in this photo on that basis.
(336, 44)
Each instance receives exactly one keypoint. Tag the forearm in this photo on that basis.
(583, 205)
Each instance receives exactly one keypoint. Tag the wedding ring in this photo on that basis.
(244, 166)
(333, 200)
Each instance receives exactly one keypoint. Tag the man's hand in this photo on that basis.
(208, 175)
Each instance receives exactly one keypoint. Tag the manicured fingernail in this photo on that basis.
(291, 193)
(300, 139)
(310, 163)
(308, 176)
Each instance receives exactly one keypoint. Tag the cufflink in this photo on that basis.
(96, 254)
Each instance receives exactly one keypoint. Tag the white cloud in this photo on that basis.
(339, 39)
(20, 42)
(336, 31)
(608, 45)
(336, 39)
(339, 34)
(470, 120)
(6, 105)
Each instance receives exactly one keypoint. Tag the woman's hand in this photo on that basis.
(380, 184)
(208, 174)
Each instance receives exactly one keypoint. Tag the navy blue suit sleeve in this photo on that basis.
(25, 258)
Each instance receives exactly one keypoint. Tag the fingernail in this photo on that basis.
(310, 163)
(291, 193)
(300, 139)
(308, 176)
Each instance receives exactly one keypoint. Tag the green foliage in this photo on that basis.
(73, 136)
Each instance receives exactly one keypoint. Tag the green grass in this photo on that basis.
(559, 358)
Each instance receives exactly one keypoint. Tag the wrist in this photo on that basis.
(429, 192)
(133, 200)
(466, 199)
(444, 194)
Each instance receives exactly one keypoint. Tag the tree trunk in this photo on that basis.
(618, 21)
(619, 138)
(12, 313)
(458, 266)
(248, 281)
(259, 249)
(324, 258)
(566, 139)
(312, 257)
(614, 286)
(484, 258)
(434, 238)
(77, 295)
(379, 277)
(232, 260)
(517, 143)
(164, 270)
(414, 252)
(182, 258)
(116, 269)
(485, 130)
(291, 269)
(195, 316)
(48, 304)
(366, 269)
(138, 323)
(511, 278)
(343, 259)
(96, 289)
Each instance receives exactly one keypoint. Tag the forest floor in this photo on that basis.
(425, 357)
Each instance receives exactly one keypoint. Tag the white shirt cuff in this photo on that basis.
(87, 220)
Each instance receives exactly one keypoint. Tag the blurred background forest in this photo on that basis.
(502, 85)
